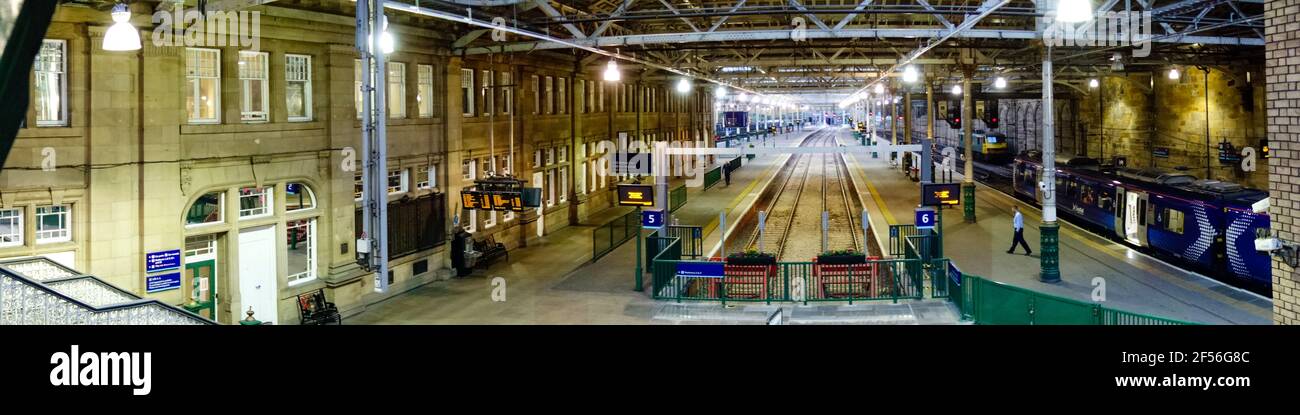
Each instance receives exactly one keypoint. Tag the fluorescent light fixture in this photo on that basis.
(880, 89)
(121, 36)
(1073, 11)
(720, 91)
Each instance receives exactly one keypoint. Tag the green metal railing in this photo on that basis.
(887, 279)
(676, 198)
(991, 302)
(712, 177)
(898, 235)
(610, 235)
(687, 241)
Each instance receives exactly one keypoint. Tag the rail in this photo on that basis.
(676, 198)
(614, 233)
(50, 294)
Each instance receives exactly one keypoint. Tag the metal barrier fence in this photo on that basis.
(676, 198)
(887, 279)
(688, 240)
(991, 302)
(712, 177)
(898, 235)
(610, 235)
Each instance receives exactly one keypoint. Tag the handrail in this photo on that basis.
(9, 314)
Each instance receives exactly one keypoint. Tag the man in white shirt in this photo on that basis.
(1018, 223)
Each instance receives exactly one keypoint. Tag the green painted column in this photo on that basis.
(968, 181)
(1050, 254)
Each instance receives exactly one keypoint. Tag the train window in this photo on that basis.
(1103, 201)
(1142, 213)
(1174, 221)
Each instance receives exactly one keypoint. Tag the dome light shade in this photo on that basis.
(1092, 83)
(1000, 82)
(720, 91)
(1073, 11)
(956, 89)
(880, 89)
(1173, 74)
(121, 36)
(683, 86)
(386, 42)
(611, 72)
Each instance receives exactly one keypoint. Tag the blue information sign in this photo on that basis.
(164, 282)
(700, 269)
(162, 261)
(652, 219)
(925, 219)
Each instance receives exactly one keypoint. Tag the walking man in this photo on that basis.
(1018, 223)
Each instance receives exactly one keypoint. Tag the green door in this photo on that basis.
(203, 288)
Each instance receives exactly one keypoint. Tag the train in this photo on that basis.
(1204, 225)
(990, 147)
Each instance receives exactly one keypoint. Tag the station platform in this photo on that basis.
(554, 281)
(1134, 281)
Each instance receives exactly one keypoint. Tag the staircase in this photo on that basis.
(37, 291)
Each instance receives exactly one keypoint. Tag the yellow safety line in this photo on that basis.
(880, 203)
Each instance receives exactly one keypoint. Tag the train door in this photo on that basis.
(1121, 201)
(1033, 185)
(1135, 217)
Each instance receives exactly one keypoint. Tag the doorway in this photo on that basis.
(257, 273)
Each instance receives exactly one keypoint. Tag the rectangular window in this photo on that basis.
(253, 73)
(550, 156)
(564, 184)
(467, 92)
(11, 227)
(537, 158)
(203, 85)
(53, 224)
(564, 96)
(564, 151)
(425, 93)
(396, 90)
(357, 186)
(537, 95)
(255, 202)
(550, 187)
(550, 95)
(297, 87)
(357, 94)
(507, 92)
(422, 178)
(300, 250)
(600, 97)
(1174, 221)
(488, 93)
(398, 181)
(51, 84)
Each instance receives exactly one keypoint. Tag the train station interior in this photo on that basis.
(649, 162)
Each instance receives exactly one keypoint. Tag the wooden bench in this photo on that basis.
(843, 281)
(314, 310)
(489, 251)
(746, 281)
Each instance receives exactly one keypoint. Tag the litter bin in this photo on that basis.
(459, 259)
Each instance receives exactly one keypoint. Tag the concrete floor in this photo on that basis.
(1134, 281)
(554, 281)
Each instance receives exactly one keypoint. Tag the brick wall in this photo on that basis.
(1282, 70)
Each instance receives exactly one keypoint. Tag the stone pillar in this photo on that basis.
(1280, 68)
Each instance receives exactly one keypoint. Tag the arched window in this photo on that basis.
(298, 196)
(206, 209)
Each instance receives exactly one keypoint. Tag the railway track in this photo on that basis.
(810, 184)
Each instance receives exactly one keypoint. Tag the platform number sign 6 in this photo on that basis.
(948, 153)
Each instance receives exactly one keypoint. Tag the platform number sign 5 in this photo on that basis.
(652, 219)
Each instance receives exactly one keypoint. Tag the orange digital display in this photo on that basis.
(636, 195)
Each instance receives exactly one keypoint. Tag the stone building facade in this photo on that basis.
(251, 173)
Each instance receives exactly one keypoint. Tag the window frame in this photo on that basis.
(312, 254)
(62, 85)
(66, 213)
(269, 207)
(467, 92)
(310, 194)
(486, 92)
(424, 91)
(550, 95)
(245, 98)
(196, 98)
(537, 95)
(507, 93)
(404, 181)
(17, 238)
(562, 92)
(396, 110)
(221, 210)
(306, 89)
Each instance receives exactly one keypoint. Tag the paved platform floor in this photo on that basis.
(1134, 281)
(553, 281)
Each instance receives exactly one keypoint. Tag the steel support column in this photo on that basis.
(968, 173)
(1049, 259)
